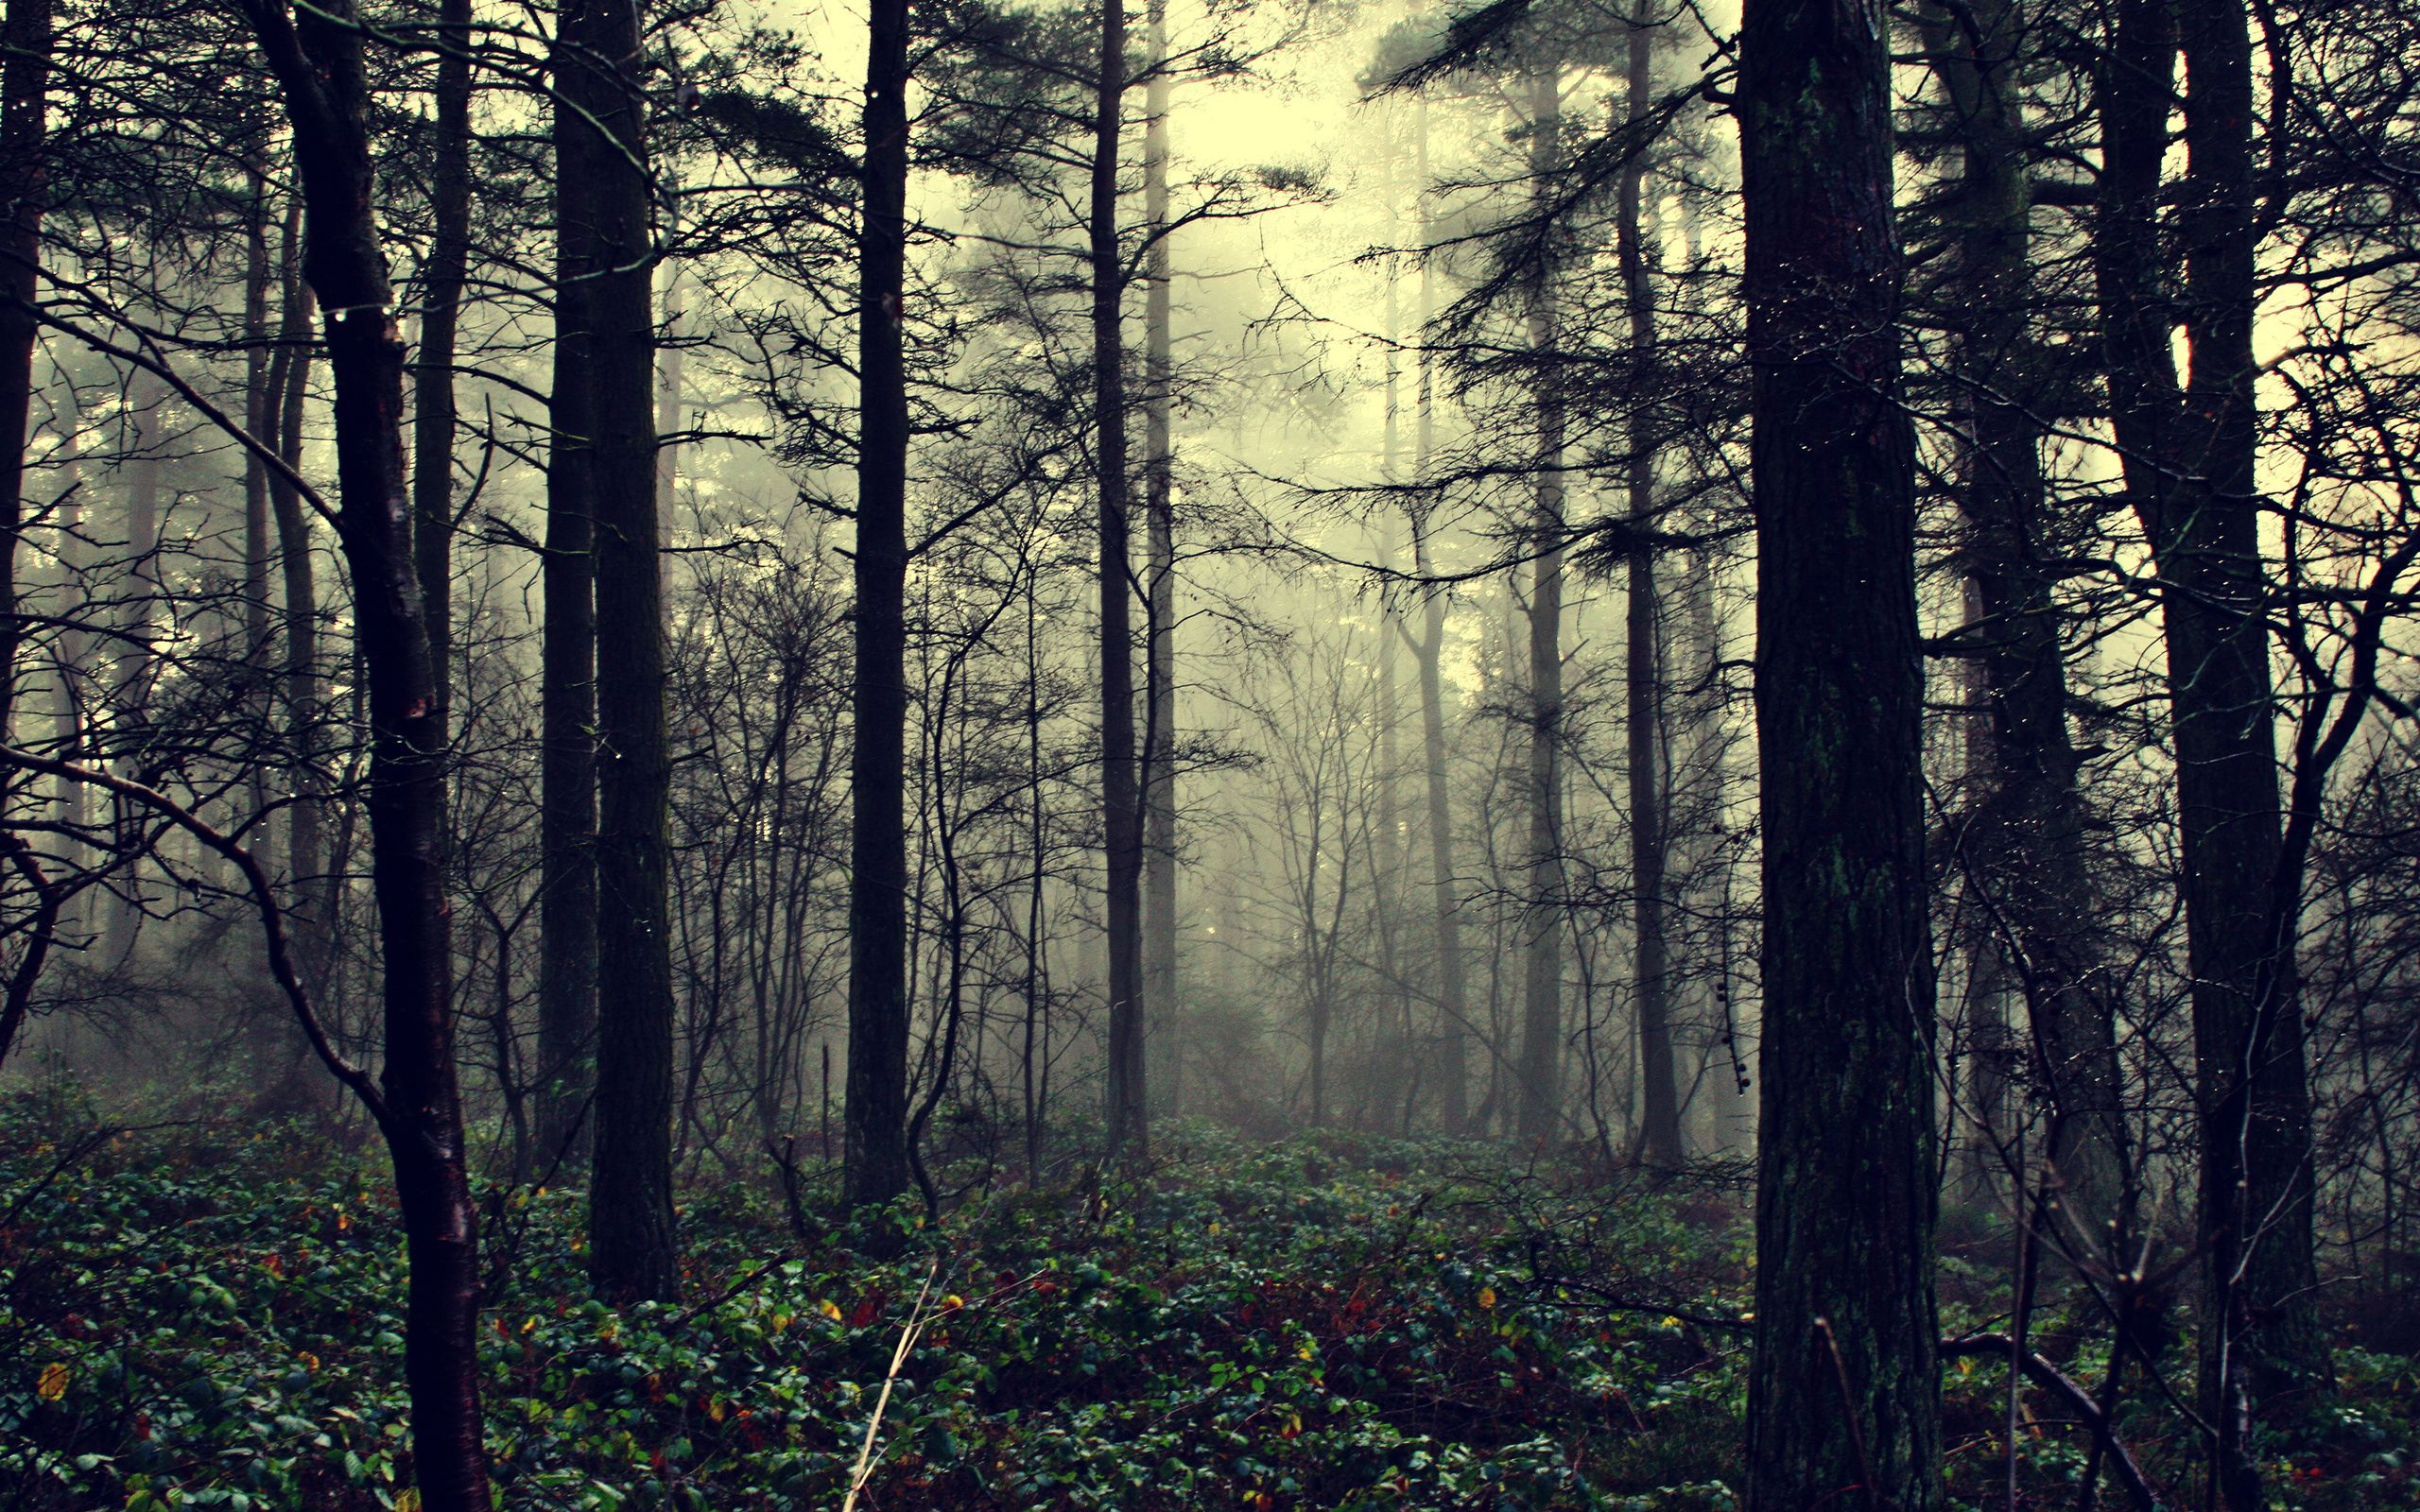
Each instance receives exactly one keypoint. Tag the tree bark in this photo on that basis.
(2260, 1334)
(25, 84)
(876, 1134)
(1453, 974)
(307, 856)
(1660, 1141)
(1541, 1100)
(433, 409)
(1121, 796)
(317, 61)
(2027, 843)
(1158, 780)
(567, 659)
(633, 1248)
(260, 406)
(1844, 1390)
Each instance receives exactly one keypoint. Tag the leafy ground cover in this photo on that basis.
(210, 1317)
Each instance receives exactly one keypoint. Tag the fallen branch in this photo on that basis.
(915, 1325)
(2050, 1379)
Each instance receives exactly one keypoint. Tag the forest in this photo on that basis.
(1543, 754)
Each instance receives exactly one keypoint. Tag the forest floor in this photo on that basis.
(201, 1314)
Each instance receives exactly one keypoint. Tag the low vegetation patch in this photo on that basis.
(196, 1317)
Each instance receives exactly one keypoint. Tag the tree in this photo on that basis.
(1842, 1390)
(632, 1250)
(1121, 785)
(878, 1166)
(317, 59)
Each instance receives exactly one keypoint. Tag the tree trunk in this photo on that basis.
(1843, 1388)
(327, 98)
(633, 1248)
(260, 405)
(876, 1135)
(1542, 924)
(1453, 978)
(24, 88)
(1660, 1141)
(307, 861)
(433, 403)
(2028, 847)
(1159, 782)
(2260, 1334)
(1121, 796)
(567, 660)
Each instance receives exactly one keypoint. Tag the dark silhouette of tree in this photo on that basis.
(317, 59)
(878, 1165)
(1842, 1394)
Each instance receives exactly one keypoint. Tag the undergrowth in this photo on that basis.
(207, 1317)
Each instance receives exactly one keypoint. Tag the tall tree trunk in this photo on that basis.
(1542, 924)
(289, 385)
(2260, 1334)
(327, 98)
(2028, 846)
(567, 657)
(1159, 747)
(1843, 1388)
(633, 1248)
(260, 405)
(669, 377)
(25, 84)
(1121, 796)
(876, 1138)
(1642, 672)
(68, 733)
(1453, 976)
(434, 408)
(139, 591)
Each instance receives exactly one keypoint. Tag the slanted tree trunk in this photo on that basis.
(1541, 1099)
(1159, 782)
(1843, 1389)
(567, 659)
(1659, 1127)
(876, 1138)
(317, 59)
(1121, 796)
(633, 1248)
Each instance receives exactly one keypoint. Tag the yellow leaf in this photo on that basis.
(309, 1360)
(714, 1409)
(1487, 1296)
(531, 1324)
(952, 1304)
(407, 1500)
(781, 1321)
(1214, 1228)
(54, 1383)
(1305, 1352)
(829, 1310)
(1671, 1322)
